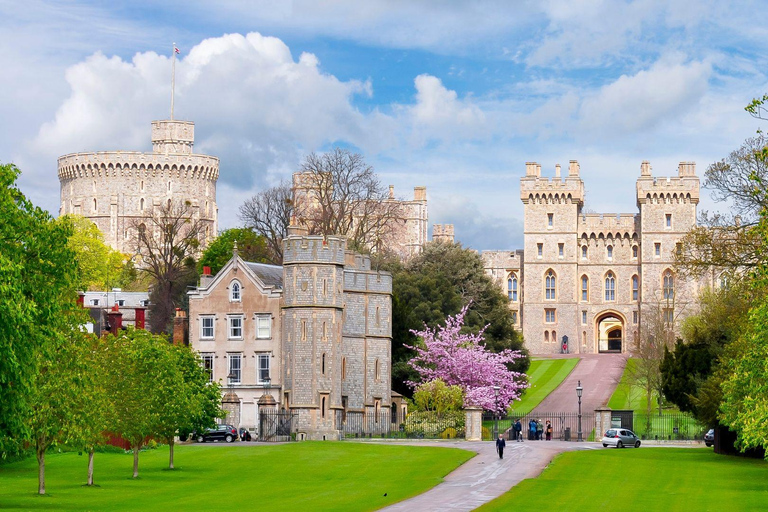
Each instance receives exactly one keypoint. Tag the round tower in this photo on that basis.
(115, 188)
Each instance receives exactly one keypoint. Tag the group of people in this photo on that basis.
(536, 432)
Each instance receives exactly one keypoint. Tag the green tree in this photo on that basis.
(37, 293)
(100, 267)
(250, 247)
(437, 396)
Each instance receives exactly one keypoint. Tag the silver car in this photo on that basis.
(620, 437)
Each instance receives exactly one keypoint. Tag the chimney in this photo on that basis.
(180, 328)
(573, 168)
(391, 191)
(115, 319)
(645, 168)
(140, 318)
(206, 279)
(419, 193)
(81, 299)
(557, 171)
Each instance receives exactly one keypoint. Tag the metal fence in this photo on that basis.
(565, 425)
(676, 426)
(275, 425)
(416, 425)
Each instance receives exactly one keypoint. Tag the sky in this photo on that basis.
(452, 95)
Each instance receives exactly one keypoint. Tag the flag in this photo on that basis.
(176, 50)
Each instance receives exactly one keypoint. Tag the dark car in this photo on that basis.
(709, 437)
(226, 433)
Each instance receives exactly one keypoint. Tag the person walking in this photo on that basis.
(500, 444)
(519, 431)
(548, 430)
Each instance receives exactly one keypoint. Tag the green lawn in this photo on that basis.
(667, 479)
(544, 376)
(297, 476)
(626, 396)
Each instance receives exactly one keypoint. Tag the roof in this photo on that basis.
(270, 275)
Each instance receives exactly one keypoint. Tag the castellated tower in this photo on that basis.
(115, 188)
(552, 207)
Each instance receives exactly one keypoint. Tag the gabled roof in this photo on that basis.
(270, 275)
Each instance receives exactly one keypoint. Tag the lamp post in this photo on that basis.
(496, 412)
(579, 390)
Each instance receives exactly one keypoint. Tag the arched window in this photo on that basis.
(584, 288)
(583, 252)
(546, 336)
(669, 285)
(635, 288)
(376, 373)
(142, 204)
(94, 204)
(610, 286)
(343, 368)
(512, 287)
(322, 407)
(550, 285)
(322, 368)
(234, 292)
(610, 252)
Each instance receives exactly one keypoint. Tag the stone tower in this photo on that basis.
(552, 208)
(115, 188)
(312, 315)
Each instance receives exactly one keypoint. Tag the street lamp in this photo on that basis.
(496, 413)
(579, 390)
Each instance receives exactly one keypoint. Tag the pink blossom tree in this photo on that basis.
(460, 359)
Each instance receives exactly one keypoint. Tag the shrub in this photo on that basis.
(431, 424)
(449, 433)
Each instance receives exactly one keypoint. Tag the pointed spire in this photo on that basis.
(234, 249)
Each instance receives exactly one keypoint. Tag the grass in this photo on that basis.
(295, 476)
(627, 396)
(667, 479)
(544, 376)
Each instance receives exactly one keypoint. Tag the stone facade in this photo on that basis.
(330, 336)
(442, 233)
(115, 188)
(595, 278)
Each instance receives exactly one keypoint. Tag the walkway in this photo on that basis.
(485, 477)
(599, 375)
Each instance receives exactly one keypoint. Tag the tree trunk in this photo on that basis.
(90, 467)
(40, 470)
(136, 448)
(170, 445)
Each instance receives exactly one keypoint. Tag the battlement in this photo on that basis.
(134, 164)
(442, 233)
(314, 249)
(681, 189)
(616, 225)
(170, 136)
(536, 189)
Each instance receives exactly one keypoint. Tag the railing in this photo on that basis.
(565, 425)
(677, 426)
(417, 425)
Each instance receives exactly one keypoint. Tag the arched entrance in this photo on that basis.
(610, 333)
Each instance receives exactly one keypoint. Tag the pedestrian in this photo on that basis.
(539, 430)
(532, 430)
(519, 431)
(548, 429)
(500, 444)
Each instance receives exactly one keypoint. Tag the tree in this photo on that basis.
(100, 267)
(93, 390)
(38, 274)
(250, 246)
(460, 359)
(167, 240)
(268, 214)
(438, 397)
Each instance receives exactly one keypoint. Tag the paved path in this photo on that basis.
(599, 375)
(485, 477)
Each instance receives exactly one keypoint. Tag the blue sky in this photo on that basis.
(455, 96)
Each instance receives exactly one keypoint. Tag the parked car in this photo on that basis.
(709, 437)
(226, 433)
(620, 437)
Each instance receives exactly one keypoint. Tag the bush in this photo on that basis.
(431, 424)
(449, 433)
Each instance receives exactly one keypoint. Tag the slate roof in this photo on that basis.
(270, 275)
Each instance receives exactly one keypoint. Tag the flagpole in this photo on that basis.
(173, 76)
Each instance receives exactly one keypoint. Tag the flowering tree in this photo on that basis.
(460, 359)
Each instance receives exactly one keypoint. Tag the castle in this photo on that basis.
(116, 189)
(312, 337)
(585, 283)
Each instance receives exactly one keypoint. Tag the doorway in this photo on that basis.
(610, 333)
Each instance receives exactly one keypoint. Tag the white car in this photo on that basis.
(620, 437)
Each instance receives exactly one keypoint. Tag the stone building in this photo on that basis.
(315, 335)
(593, 279)
(115, 188)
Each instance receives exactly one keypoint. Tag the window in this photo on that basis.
(634, 251)
(94, 302)
(208, 358)
(263, 367)
(550, 285)
(144, 303)
(206, 327)
(376, 370)
(234, 368)
(560, 250)
(235, 327)
(634, 317)
(512, 288)
(679, 249)
(635, 288)
(550, 218)
(540, 250)
(583, 318)
(609, 251)
(514, 317)
(610, 286)
(322, 409)
(234, 292)
(657, 249)
(546, 336)
(669, 220)
(322, 364)
(142, 204)
(263, 327)
(584, 288)
(669, 285)
(583, 252)
(549, 316)
(669, 316)
(343, 369)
